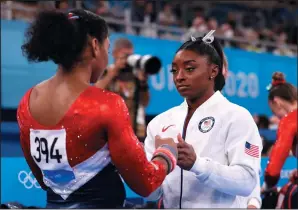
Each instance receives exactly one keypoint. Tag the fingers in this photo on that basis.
(181, 158)
(183, 151)
(182, 145)
(180, 139)
(157, 137)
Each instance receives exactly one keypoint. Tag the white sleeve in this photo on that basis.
(239, 177)
(149, 142)
(150, 149)
(255, 197)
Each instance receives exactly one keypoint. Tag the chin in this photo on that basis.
(185, 94)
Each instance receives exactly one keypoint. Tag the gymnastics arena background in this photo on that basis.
(250, 73)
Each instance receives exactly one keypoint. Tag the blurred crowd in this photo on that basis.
(268, 128)
(232, 20)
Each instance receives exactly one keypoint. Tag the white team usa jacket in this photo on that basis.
(228, 148)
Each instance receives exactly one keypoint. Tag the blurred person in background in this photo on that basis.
(212, 24)
(262, 121)
(149, 28)
(137, 13)
(274, 122)
(214, 169)
(198, 28)
(102, 9)
(76, 138)
(252, 37)
(282, 48)
(46, 5)
(62, 5)
(166, 17)
(133, 87)
(283, 103)
(98, 7)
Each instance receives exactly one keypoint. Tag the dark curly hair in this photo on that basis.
(215, 55)
(62, 37)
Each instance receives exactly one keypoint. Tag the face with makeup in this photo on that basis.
(193, 74)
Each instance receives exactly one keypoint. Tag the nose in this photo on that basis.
(180, 77)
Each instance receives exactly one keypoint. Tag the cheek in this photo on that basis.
(277, 111)
(199, 80)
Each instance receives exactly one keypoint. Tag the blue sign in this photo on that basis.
(18, 183)
(250, 72)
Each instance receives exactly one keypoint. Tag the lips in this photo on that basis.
(182, 87)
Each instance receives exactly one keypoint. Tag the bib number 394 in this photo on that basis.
(48, 151)
(48, 146)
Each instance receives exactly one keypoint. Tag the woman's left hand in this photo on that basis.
(186, 154)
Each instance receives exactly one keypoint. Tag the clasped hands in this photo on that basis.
(186, 153)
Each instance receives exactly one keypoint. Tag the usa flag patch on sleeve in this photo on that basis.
(252, 150)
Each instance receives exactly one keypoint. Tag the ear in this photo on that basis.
(214, 71)
(95, 47)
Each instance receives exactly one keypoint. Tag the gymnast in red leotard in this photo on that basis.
(283, 103)
(76, 138)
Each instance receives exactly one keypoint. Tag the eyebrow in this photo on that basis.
(185, 62)
(188, 61)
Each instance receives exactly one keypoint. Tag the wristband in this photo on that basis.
(169, 154)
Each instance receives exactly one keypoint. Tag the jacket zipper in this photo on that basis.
(181, 180)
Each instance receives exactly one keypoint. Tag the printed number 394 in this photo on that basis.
(43, 150)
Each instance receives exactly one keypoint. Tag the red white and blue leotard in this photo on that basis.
(80, 158)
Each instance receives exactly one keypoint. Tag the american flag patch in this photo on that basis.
(252, 150)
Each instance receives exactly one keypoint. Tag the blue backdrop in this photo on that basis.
(250, 73)
(17, 184)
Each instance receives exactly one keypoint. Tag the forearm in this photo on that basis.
(255, 197)
(141, 175)
(279, 154)
(129, 157)
(233, 180)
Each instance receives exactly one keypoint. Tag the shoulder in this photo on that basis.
(292, 116)
(236, 115)
(104, 96)
(236, 111)
(289, 121)
(25, 99)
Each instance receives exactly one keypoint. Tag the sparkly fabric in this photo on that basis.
(96, 117)
(286, 134)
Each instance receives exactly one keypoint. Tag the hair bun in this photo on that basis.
(278, 78)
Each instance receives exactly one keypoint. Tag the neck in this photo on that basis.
(194, 103)
(79, 75)
(290, 106)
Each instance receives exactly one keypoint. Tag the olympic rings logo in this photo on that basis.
(28, 180)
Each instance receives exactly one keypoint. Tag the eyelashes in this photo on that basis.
(173, 71)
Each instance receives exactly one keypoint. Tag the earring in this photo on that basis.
(210, 78)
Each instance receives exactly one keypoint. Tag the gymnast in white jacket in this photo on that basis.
(219, 144)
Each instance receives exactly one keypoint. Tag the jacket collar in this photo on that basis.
(214, 99)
